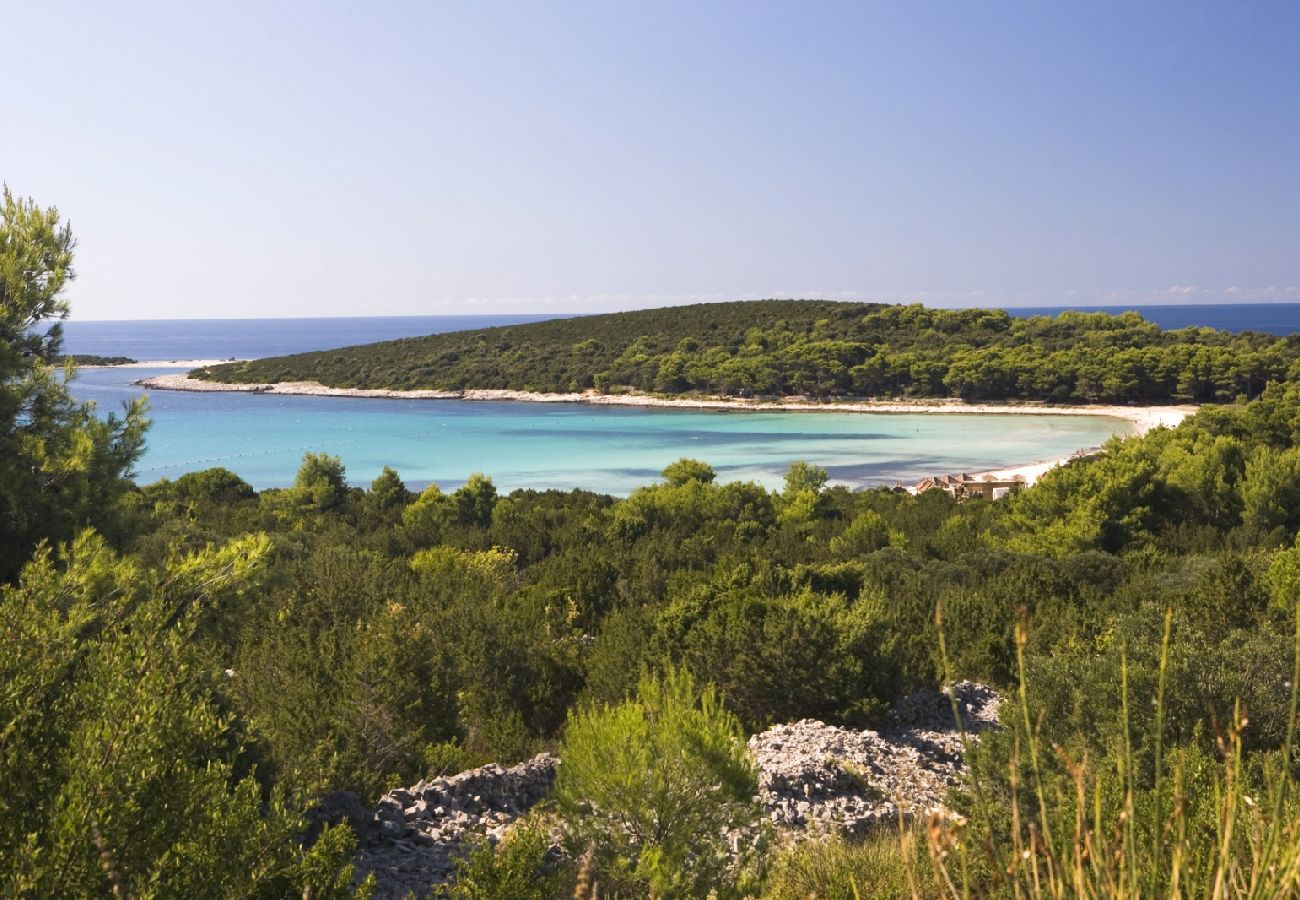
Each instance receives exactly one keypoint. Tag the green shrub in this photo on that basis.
(516, 869)
(118, 769)
(653, 783)
(783, 658)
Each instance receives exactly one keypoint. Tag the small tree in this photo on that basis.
(654, 784)
(425, 519)
(61, 468)
(686, 470)
(475, 501)
(801, 502)
(802, 476)
(388, 491)
(321, 482)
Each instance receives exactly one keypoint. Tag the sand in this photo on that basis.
(1143, 418)
(1033, 471)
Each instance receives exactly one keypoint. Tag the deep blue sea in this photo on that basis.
(1269, 318)
(168, 339)
(611, 449)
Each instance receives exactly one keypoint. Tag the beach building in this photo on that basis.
(962, 486)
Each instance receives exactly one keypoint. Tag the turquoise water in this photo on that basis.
(609, 449)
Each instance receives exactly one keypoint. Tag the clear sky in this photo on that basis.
(371, 158)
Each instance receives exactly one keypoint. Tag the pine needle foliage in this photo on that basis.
(654, 783)
(814, 348)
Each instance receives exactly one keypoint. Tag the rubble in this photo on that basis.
(814, 779)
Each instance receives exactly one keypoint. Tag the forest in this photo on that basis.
(191, 664)
(815, 349)
(87, 359)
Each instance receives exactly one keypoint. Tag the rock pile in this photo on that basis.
(820, 778)
(929, 710)
(813, 779)
(412, 838)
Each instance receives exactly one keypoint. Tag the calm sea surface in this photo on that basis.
(250, 338)
(546, 445)
(165, 339)
(1270, 318)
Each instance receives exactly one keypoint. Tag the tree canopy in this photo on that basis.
(61, 467)
(814, 348)
(190, 666)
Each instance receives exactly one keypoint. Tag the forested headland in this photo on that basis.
(86, 359)
(816, 349)
(189, 666)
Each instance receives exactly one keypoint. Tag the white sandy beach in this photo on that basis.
(1031, 472)
(1141, 418)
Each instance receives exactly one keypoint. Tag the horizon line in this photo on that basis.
(570, 315)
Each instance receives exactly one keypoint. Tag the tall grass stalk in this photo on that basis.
(983, 805)
(1172, 838)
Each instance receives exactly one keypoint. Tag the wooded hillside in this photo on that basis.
(197, 675)
(815, 348)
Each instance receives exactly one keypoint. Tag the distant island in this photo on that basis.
(88, 359)
(810, 348)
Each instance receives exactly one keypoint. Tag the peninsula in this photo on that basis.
(812, 349)
(796, 356)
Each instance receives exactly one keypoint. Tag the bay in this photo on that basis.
(541, 445)
(609, 449)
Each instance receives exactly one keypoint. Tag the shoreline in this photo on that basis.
(1142, 418)
(1033, 471)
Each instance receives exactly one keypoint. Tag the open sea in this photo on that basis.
(610, 449)
(164, 339)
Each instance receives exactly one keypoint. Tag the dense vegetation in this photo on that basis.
(814, 348)
(89, 359)
(189, 664)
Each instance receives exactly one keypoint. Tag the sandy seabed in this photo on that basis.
(1142, 418)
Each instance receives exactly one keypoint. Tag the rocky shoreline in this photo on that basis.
(814, 780)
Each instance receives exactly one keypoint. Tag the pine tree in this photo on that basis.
(61, 467)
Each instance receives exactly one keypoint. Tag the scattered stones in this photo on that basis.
(814, 779)
(818, 778)
(412, 838)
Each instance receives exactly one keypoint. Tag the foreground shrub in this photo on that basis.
(516, 869)
(119, 772)
(653, 784)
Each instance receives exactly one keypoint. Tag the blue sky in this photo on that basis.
(259, 159)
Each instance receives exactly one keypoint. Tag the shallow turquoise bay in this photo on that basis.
(543, 445)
